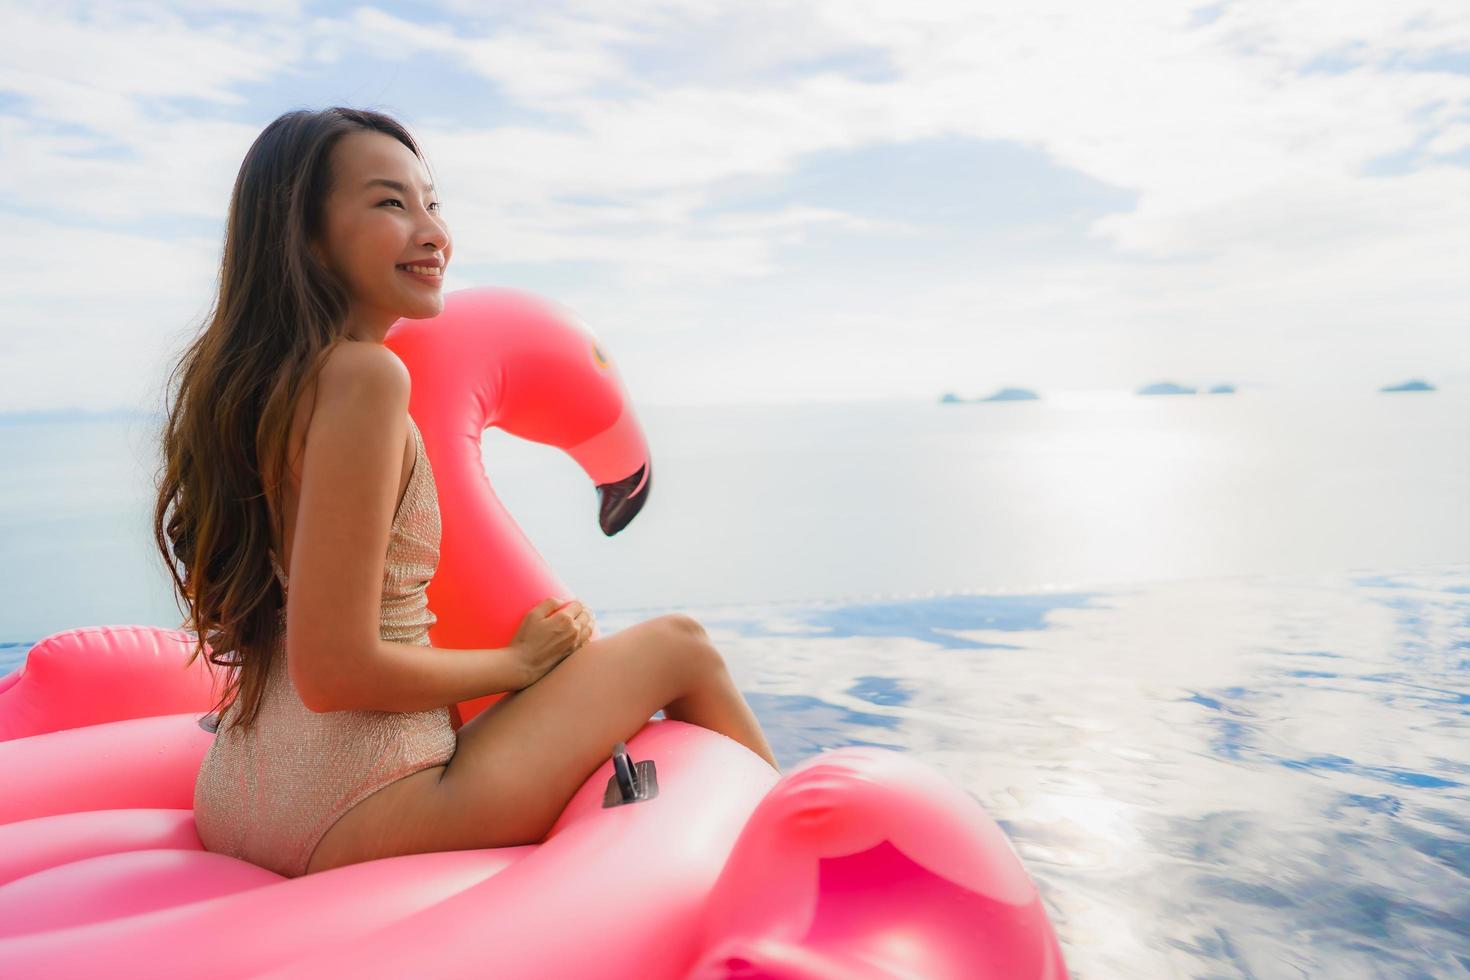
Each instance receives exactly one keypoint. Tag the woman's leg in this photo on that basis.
(519, 762)
(718, 705)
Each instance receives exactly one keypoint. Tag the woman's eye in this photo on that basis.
(394, 200)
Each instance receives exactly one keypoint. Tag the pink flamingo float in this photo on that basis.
(684, 855)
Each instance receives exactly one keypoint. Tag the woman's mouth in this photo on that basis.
(428, 274)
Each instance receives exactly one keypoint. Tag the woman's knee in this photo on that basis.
(695, 653)
(685, 625)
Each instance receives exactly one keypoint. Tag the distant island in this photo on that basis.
(1170, 388)
(1165, 388)
(1414, 385)
(1004, 395)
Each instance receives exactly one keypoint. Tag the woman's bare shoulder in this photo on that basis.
(361, 396)
(361, 367)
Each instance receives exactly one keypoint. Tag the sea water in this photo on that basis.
(1205, 658)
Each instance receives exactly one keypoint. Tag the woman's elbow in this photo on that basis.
(318, 697)
(308, 695)
(317, 668)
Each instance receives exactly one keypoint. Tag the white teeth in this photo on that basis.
(423, 270)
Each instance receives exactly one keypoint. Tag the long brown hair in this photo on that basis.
(278, 313)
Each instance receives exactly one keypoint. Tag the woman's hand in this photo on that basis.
(548, 634)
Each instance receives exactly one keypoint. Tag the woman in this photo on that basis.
(299, 503)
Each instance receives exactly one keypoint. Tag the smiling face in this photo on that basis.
(372, 230)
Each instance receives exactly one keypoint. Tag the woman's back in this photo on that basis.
(267, 795)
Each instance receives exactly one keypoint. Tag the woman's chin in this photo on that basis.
(424, 308)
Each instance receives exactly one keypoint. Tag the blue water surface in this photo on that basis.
(1121, 624)
(1250, 777)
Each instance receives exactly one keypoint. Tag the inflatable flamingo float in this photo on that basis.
(684, 855)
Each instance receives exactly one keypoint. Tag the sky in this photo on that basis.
(774, 202)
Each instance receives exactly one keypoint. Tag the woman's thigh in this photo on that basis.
(387, 823)
(519, 761)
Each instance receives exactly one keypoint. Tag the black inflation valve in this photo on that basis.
(631, 782)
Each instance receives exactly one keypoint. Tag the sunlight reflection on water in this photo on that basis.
(1235, 777)
(1250, 777)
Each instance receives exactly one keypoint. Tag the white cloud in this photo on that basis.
(101, 68)
(1245, 141)
(95, 322)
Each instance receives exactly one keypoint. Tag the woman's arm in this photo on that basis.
(409, 677)
(350, 475)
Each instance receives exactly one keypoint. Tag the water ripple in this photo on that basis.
(1233, 778)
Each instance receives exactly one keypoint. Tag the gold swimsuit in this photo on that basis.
(269, 795)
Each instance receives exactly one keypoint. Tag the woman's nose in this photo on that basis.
(436, 236)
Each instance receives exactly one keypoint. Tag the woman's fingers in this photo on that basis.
(582, 619)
